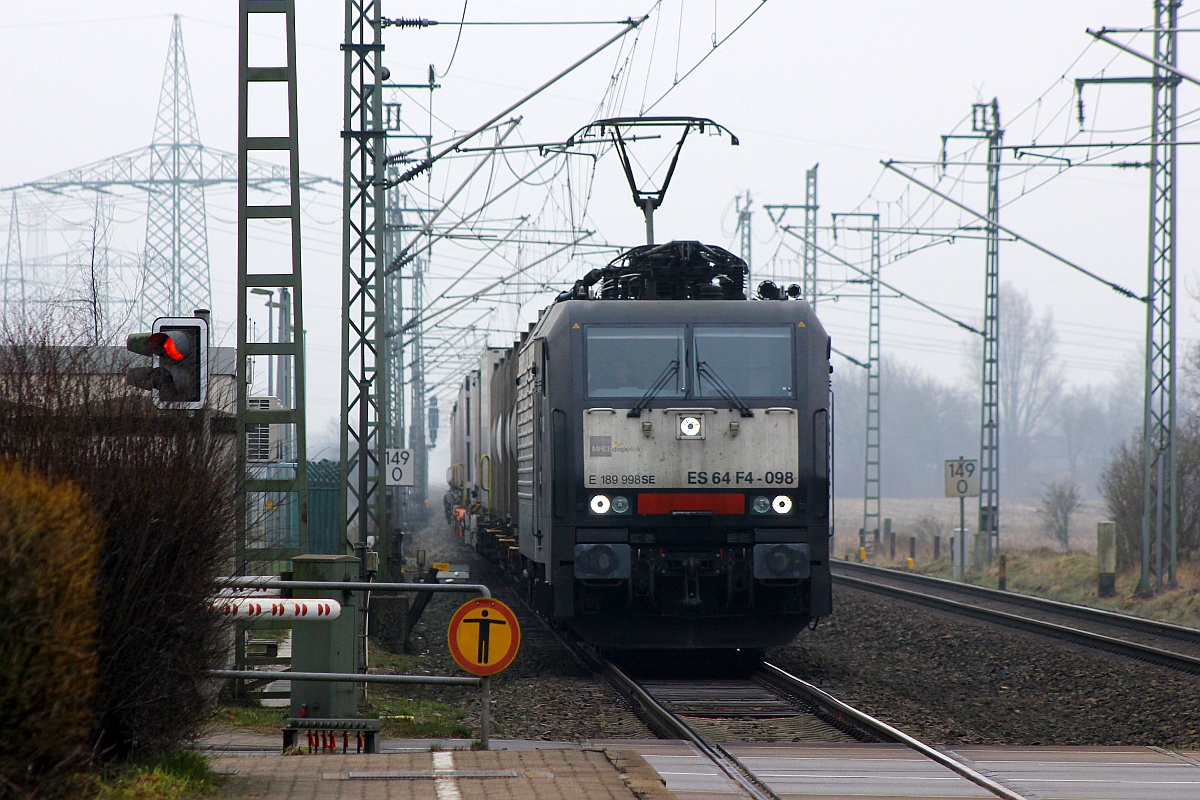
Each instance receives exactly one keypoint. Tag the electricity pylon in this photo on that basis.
(176, 262)
(174, 172)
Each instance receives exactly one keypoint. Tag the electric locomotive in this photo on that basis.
(652, 457)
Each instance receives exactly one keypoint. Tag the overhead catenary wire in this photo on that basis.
(1115, 287)
(428, 162)
(889, 287)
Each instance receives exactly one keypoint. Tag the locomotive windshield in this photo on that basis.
(752, 361)
(626, 360)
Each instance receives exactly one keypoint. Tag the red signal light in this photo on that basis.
(165, 344)
(171, 351)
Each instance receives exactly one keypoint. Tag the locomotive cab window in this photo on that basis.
(629, 360)
(751, 360)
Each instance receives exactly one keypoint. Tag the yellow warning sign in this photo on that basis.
(441, 566)
(484, 636)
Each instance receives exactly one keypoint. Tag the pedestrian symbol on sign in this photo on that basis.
(485, 633)
(484, 636)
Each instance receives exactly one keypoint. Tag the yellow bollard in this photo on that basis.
(910, 562)
(862, 554)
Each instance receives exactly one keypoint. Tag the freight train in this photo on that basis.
(652, 457)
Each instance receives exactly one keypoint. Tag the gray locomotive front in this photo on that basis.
(672, 462)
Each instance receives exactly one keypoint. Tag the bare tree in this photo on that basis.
(1082, 422)
(1060, 499)
(1030, 383)
(1030, 375)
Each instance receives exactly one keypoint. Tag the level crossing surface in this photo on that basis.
(893, 771)
(648, 768)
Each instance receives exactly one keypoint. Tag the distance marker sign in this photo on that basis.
(484, 636)
(962, 478)
(398, 467)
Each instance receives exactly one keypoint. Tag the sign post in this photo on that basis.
(962, 481)
(484, 636)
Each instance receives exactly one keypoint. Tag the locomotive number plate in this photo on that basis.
(622, 480)
(758, 452)
(739, 477)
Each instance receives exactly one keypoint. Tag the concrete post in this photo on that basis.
(958, 553)
(1106, 558)
(889, 536)
(937, 547)
(979, 552)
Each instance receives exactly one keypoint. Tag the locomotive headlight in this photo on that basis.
(782, 504)
(760, 504)
(691, 427)
(600, 504)
(620, 505)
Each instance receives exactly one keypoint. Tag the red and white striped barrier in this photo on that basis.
(275, 608)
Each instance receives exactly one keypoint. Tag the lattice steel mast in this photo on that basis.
(1160, 505)
(746, 239)
(419, 415)
(364, 375)
(872, 473)
(1159, 501)
(985, 119)
(176, 261)
(287, 484)
(810, 235)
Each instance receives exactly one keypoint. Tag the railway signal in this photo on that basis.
(179, 377)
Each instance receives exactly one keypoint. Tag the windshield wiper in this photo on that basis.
(705, 371)
(671, 370)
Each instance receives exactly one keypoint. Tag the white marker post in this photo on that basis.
(962, 481)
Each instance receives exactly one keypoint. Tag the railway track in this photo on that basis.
(707, 711)
(1173, 646)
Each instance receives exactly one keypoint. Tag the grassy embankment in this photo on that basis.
(181, 775)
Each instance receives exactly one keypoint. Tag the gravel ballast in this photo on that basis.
(954, 681)
(938, 678)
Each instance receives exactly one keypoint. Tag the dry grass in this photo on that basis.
(1035, 564)
(1020, 526)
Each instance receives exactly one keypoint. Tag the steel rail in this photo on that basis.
(1166, 658)
(665, 722)
(831, 705)
(1149, 627)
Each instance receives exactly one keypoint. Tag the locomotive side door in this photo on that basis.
(543, 472)
(530, 445)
